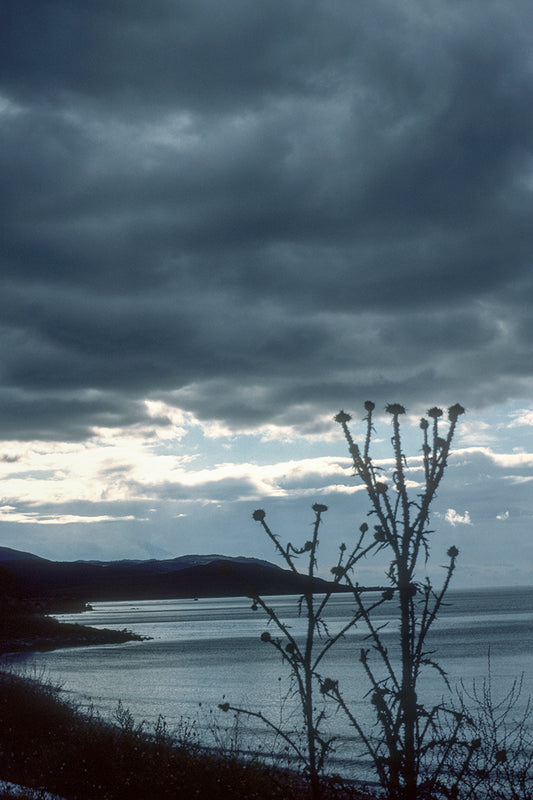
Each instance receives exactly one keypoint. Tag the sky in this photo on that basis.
(221, 223)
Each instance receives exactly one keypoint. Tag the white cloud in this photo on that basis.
(521, 417)
(454, 518)
(503, 516)
(508, 460)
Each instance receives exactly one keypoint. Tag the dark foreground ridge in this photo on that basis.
(49, 745)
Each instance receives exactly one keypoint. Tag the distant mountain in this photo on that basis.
(182, 577)
(7, 554)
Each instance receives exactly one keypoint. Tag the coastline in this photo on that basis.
(30, 633)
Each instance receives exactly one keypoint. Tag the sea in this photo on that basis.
(202, 653)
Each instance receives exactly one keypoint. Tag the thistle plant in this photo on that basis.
(408, 729)
(415, 745)
(304, 658)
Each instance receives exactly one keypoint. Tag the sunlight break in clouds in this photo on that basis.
(10, 514)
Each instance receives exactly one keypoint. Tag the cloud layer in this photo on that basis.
(260, 212)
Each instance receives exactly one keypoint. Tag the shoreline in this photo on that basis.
(37, 633)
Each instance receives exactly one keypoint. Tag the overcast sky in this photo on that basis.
(224, 221)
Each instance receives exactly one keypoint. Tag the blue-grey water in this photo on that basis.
(209, 651)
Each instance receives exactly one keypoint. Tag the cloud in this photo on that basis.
(260, 214)
(454, 518)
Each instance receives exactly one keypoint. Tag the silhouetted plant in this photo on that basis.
(407, 727)
(443, 750)
(410, 753)
(304, 657)
(501, 766)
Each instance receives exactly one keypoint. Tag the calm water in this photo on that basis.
(207, 651)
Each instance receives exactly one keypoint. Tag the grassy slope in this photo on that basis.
(46, 743)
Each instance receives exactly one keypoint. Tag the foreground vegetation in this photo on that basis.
(47, 744)
(470, 748)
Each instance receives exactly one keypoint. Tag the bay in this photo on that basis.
(206, 652)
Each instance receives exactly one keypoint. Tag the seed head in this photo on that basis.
(342, 416)
(259, 515)
(319, 508)
(424, 424)
(369, 405)
(455, 411)
(328, 685)
(395, 409)
(453, 552)
(381, 488)
(266, 637)
(435, 412)
(379, 534)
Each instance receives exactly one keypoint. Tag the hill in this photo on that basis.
(70, 583)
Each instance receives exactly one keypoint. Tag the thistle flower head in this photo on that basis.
(259, 515)
(379, 534)
(395, 409)
(319, 508)
(455, 411)
(424, 424)
(342, 416)
(369, 405)
(435, 412)
(266, 637)
(381, 488)
(453, 552)
(328, 685)
(388, 594)
(363, 528)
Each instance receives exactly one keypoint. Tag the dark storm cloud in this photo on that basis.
(261, 212)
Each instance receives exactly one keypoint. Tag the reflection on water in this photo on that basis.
(204, 651)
